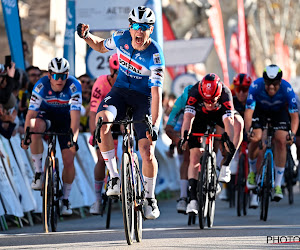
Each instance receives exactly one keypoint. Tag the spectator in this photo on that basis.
(7, 124)
(34, 74)
(86, 86)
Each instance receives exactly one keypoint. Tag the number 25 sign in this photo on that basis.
(97, 63)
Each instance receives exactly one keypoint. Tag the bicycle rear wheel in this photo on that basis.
(47, 195)
(56, 196)
(212, 188)
(108, 216)
(289, 175)
(241, 186)
(266, 190)
(138, 220)
(202, 194)
(127, 198)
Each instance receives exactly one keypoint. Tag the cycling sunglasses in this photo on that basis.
(241, 88)
(211, 101)
(274, 83)
(142, 26)
(60, 75)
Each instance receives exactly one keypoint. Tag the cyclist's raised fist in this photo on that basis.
(83, 30)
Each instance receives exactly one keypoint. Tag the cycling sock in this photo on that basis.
(193, 189)
(111, 163)
(252, 165)
(98, 189)
(183, 188)
(278, 175)
(37, 162)
(150, 187)
(66, 190)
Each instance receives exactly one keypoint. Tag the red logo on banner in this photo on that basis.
(191, 101)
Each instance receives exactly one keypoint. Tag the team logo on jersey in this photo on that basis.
(76, 99)
(38, 88)
(289, 89)
(49, 92)
(294, 100)
(33, 98)
(254, 85)
(73, 88)
(107, 98)
(228, 105)
(119, 33)
(126, 46)
(156, 58)
(135, 67)
(191, 101)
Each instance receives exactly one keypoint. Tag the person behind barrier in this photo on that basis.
(269, 96)
(7, 122)
(209, 100)
(55, 105)
(172, 129)
(101, 88)
(139, 85)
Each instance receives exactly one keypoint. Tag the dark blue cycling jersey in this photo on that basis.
(43, 98)
(139, 70)
(259, 97)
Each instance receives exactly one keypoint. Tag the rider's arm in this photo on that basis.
(96, 43)
(156, 105)
(188, 119)
(92, 121)
(248, 119)
(229, 126)
(30, 115)
(294, 122)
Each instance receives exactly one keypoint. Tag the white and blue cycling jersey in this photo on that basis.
(43, 98)
(139, 70)
(259, 97)
(176, 115)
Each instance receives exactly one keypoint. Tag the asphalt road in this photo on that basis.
(169, 231)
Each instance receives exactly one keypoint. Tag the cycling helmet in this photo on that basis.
(114, 62)
(210, 88)
(59, 65)
(141, 14)
(242, 80)
(272, 73)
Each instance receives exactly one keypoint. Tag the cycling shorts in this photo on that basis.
(122, 98)
(59, 123)
(280, 119)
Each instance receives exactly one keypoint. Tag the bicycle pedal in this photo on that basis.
(114, 197)
(182, 212)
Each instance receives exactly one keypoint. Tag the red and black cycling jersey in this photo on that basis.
(224, 105)
(238, 106)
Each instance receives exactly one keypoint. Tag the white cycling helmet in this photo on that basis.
(142, 14)
(59, 65)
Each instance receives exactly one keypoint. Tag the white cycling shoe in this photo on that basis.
(151, 210)
(113, 187)
(225, 174)
(192, 207)
(37, 183)
(96, 208)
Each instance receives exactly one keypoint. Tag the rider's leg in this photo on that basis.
(99, 173)
(184, 174)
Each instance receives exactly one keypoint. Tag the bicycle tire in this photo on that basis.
(55, 206)
(108, 216)
(266, 189)
(240, 185)
(202, 194)
(289, 175)
(127, 198)
(138, 219)
(47, 196)
(212, 188)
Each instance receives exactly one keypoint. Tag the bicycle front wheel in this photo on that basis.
(127, 198)
(212, 188)
(266, 189)
(48, 196)
(202, 194)
(56, 196)
(241, 185)
(138, 220)
(289, 175)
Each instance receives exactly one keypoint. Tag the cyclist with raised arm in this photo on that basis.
(55, 105)
(270, 96)
(101, 88)
(209, 101)
(172, 129)
(139, 85)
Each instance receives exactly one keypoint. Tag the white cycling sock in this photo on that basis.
(66, 190)
(150, 186)
(278, 175)
(98, 189)
(252, 165)
(111, 163)
(37, 162)
(183, 188)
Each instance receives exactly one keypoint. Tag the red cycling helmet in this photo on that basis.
(114, 61)
(210, 88)
(242, 80)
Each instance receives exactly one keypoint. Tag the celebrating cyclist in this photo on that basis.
(173, 128)
(139, 85)
(270, 96)
(210, 101)
(101, 88)
(55, 105)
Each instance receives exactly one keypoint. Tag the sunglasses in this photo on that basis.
(210, 101)
(61, 76)
(241, 88)
(274, 83)
(142, 26)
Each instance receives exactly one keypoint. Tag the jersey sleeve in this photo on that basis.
(97, 94)
(227, 102)
(251, 99)
(192, 100)
(291, 99)
(111, 42)
(178, 106)
(36, 96)
(76, 96)
(157, 68)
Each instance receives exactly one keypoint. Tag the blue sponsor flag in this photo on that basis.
(69, 42)
(13, 30)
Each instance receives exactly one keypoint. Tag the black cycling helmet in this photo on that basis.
(272, 73)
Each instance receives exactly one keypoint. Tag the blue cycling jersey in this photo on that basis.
(176, 115)
(259, 97)
(139, 70)
(43, 98)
